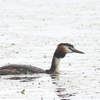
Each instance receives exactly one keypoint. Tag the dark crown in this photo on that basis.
(67, 44)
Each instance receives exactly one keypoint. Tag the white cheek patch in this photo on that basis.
(68, 50)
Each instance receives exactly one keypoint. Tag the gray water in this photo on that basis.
(29, 33)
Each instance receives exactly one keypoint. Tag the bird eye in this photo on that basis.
(70, 48)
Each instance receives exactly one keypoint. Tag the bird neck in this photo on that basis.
(58, 55)
(54, 65)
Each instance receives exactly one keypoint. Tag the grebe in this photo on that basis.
(60, 52)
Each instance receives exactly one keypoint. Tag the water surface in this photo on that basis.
(29, 33)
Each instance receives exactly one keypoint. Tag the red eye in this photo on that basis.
(70, 48)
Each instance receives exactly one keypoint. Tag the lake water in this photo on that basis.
(30, 30)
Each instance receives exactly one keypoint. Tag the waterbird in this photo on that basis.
(60, 52)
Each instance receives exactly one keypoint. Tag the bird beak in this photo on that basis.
(77, 51)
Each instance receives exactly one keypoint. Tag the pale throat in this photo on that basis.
(55, 65)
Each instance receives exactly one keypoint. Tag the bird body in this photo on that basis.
(13, 69)
(60, 52)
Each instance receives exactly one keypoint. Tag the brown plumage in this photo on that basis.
(19, 69)
(60, 52)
